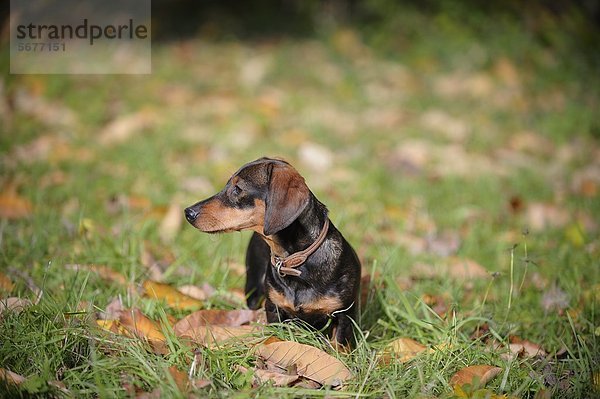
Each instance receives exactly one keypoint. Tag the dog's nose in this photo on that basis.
(191, 214)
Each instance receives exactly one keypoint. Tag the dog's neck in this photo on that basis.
(302, 232)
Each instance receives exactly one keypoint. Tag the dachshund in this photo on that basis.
(297, 260)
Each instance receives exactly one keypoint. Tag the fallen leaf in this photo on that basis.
(154, 394)
(315, 157)
(453, 128)
(111, 325)
(10, 377)
(13, 206)
(438, 303)
(199, 383)
(148, 261)
(113, 310)
(13, 304)
(454, 267)
(405, 349)
(525, 348)
(466, 269)
(478, 375)
(170, 295)
(543, 394)
(271, 340)
(193, 291)
(574, 234)
(554, 299)
(277, 379)
(139, 325)
(50, 113)
(216, 317)
(124, 127)
(104, 272)
(309, 362)
(541, 216)
(181, 379)
(171, 223)
(5, 283)
(211, 336)
(254, 69)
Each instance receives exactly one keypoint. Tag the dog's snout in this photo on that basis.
(190, 214)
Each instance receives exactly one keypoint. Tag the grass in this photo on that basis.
(362, 109)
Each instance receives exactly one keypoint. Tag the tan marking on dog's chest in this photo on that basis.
(281, 301)
(323, 305)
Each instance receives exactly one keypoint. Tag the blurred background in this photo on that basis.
(406, 118)
(456, 144)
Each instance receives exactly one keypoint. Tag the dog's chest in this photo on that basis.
(301, 302)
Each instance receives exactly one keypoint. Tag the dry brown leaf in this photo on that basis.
(10, 377)
(277, 379)
(113, 310)
(216, 317)
(405, 348)
(200, 383)
(181, 379)
(13, 304)
(50, 113)
(13, 206)
(154, 394)
(5, 283)
(212, 336)
(193, 291)
(309, 362)
(271, 340)
(170, 295)
(171, 223)
(541, 216)
(438, 120)
(525, 348)
(554, 299)
(126, 126)
(315, 157)
(475, 375)
(464, 269)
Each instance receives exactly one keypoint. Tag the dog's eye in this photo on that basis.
(236, 190)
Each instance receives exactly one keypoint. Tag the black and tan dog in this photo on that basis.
(296, 258)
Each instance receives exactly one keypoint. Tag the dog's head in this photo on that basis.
(265, 195)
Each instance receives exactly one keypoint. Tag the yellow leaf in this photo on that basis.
(405, 348)
(310, 362)
(112, 325)
(86, 227)
(575, 236)
(140, 325)
(475, 375)
(170, 295)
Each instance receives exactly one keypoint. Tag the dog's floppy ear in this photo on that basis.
(287, 197)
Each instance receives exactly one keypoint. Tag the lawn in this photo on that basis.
(462, 163)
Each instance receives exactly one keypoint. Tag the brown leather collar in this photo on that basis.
(285, 266)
